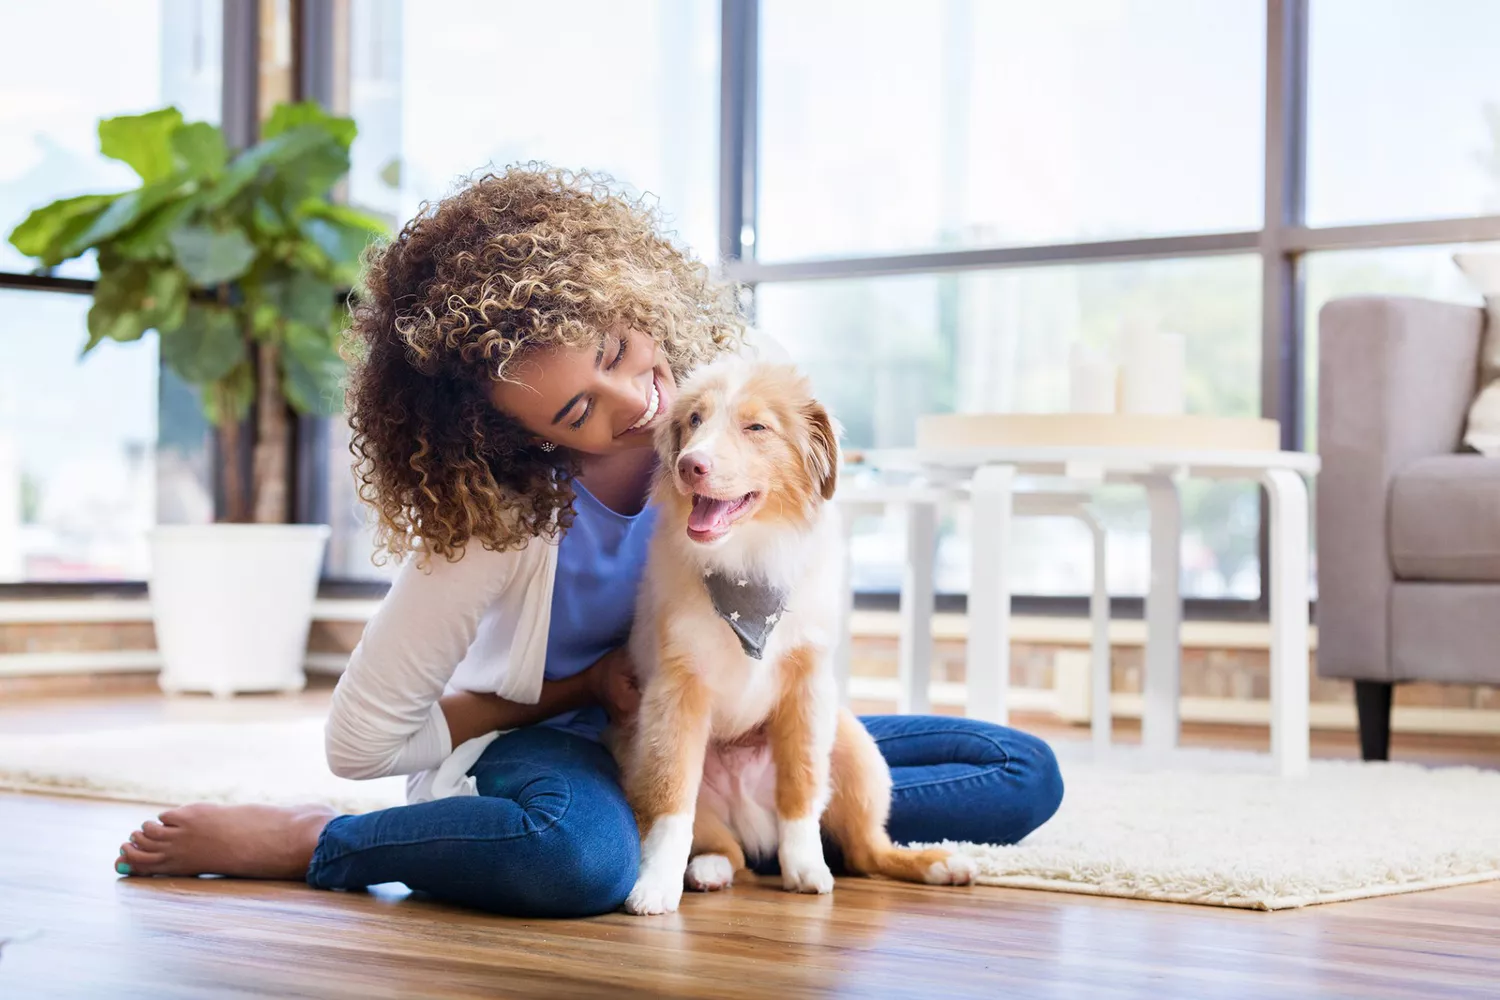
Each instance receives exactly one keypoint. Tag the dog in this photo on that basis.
(740, 748)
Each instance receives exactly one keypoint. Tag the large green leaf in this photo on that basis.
(143, 141)
(312, 371)
(206, 347)
(148, 239)
(340, 232)
(117, 312)
(211, 256)
(199, 149)
(166, 302)
(272, 155)
(124, 212)
(310, 174)
(285, 117)
(300, 296)
(131, 298)
(51, 228)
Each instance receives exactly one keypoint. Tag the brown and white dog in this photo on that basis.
(740, 746)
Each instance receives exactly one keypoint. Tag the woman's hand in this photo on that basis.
(612, 680)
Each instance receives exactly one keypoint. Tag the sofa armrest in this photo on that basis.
(1395, 380)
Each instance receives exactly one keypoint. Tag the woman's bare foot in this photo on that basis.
(268, 842)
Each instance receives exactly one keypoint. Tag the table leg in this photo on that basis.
(843, 655)
(988, 665)
(914, 667)
(1101, 721)
(1287, 494)
(1160, 721)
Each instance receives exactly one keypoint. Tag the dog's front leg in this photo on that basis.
(666, 770)
(801, 731)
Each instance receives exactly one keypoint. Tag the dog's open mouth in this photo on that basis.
(712, 517)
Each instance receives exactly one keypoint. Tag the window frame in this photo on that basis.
(1281, 242)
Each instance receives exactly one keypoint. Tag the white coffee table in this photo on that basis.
(991, 472)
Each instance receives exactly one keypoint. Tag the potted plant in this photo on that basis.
(237, 261)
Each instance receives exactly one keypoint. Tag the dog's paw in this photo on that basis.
(708, 872)
(653, 895)
(810, 877)
(955, 869)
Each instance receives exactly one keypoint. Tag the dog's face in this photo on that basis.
(747, 442)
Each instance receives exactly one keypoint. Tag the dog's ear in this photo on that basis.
(821, 454)
(668, 438)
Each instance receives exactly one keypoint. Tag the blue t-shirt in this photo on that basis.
(599, 565)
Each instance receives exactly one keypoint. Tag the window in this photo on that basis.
(1403, 110)
(891, 126)
(49, 145)
(77, 443)
(449, 87)
(883, 351)
(93, 453)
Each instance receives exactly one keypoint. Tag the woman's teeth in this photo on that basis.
(651, 407)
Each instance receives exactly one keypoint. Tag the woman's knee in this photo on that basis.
(1032, 790)
(587, 862)
(1034, 765)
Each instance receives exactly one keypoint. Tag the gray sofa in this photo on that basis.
(1408, 528)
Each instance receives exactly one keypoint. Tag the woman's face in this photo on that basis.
(595, 402)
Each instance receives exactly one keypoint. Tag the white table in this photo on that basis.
(991, 476)
(921, 504)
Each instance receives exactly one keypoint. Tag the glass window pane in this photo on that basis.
(444, 88)
(887, 125)
(351, 546)
(1403, 110)
(122, 57)
(77, 445)
(883, 351)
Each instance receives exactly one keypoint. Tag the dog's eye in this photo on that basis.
(694, 420)
(756, 427)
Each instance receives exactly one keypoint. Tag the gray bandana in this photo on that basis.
(751, 607)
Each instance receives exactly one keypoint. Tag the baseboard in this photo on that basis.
(1213, 711)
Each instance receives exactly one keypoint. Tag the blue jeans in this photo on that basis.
(551, 835)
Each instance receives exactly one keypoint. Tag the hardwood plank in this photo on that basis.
(106, 936)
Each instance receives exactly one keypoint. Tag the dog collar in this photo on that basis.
(751, 607)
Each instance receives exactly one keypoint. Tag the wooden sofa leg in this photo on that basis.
(1373, 701)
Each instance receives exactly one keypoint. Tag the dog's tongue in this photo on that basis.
(708, 514)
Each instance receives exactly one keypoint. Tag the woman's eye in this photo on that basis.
(756, 427)
(578, 424)
(694, 420)
(620, 356)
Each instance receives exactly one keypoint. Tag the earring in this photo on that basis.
(547, 446)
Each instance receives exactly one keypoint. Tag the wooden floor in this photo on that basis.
(103, 936)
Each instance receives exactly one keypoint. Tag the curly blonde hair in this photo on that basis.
(531, 257)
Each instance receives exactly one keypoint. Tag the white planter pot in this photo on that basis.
(233, 604)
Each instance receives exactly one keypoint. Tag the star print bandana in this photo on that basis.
(751, 607)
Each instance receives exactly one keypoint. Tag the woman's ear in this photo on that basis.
(822, 451)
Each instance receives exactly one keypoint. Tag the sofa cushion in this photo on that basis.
(1445, 519)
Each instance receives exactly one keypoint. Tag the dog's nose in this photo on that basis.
(694, 466)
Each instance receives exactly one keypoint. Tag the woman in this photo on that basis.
(514, 348)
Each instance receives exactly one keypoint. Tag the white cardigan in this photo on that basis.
(478, 624)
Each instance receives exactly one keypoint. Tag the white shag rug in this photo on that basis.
(1213, 834)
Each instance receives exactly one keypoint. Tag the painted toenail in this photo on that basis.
(122, 868)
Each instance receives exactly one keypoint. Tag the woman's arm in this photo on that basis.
(385, 718)
(609, 682)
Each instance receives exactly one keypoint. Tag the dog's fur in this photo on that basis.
(731, 755)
